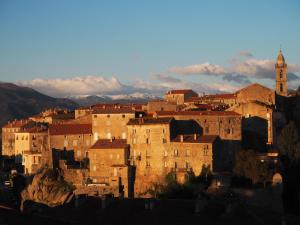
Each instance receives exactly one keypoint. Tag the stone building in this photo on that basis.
(29, 145)
(70, 137)
(281, 75)
(156, 150)
(225, 124)
(109, 165)
(161, 105)
(8, 135)
(111, 123)
(217, 99)
(256, 93)
(179, 96)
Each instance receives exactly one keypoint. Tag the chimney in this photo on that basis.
(181, 138)
(195, 137)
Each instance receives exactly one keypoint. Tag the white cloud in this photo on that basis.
(79, 85)
(249, 67)
(204, 68)
(97, 85)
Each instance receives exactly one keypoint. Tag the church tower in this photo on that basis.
(281, 78)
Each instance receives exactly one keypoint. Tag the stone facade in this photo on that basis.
(161, 105)
(109, 165)
(179, 96)
(156, 150)
(281, 75)
(71, 137)
(29, 144)
(111, 123)
(258, 93)
(8, 135)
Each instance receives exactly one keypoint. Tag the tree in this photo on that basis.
(290, 167)
(247, 165)
(289, 142)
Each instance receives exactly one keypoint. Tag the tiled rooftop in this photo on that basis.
(62, 129)
(184, 91)
(149, 120)
(110, 143)
(196, 113)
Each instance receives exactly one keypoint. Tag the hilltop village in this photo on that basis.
(123, 149)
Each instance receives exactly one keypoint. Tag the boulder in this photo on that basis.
(48, 188)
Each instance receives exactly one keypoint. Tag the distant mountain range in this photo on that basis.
(21, 102)
(137, 97)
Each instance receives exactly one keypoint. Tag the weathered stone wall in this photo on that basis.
(80, 143)
(161, 105)
(110, 125)
(256, 92)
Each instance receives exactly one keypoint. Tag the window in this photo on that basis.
(109, 135)
(87, 142)
(147, 140)
(205, 150)
(166, 164)
(108, 116)
(95, 116)
(123, 116)
(281, 88)
(94, 168)
(188, 152)
(175, 165)
(147, 152)
(166, 153)
(187, 165)
(118, 156)
(207, 130)
(75, 142)
(134, 140)
(228, 131)
(65, 143)
(147, 163)
(124, 135)
(175, 152)
(96, 136)
(115, 172)
(163, 131)
(148, 131)
(164, 140)
(280, 73)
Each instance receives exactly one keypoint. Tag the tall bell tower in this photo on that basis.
(281, 78)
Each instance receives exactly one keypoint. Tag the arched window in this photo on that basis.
(281, 88)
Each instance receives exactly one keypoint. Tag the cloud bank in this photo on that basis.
(241, 69)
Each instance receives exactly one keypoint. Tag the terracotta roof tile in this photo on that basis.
(184, 91)
(197, 139)
(108, 144)
(113, 111)
(196, 113)
(62, 129)
(149, 120)
(17, 124)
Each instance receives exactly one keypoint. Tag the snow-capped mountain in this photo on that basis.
(136, 97)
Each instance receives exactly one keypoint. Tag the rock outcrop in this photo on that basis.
(49, 188)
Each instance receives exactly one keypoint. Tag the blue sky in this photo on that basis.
(136, 40)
